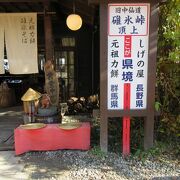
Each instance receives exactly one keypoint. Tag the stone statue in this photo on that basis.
(51, 83)
(48, 112)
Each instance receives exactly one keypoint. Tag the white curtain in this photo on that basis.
(21, 42)
(1, 45)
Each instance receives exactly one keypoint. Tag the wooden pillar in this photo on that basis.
(153, 37)
(103, 78)
(48, 32)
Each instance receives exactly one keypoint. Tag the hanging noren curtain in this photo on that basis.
(21, 42)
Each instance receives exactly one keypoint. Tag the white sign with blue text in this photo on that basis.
(128, 35)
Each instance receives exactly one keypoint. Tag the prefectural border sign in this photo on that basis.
(128, 48)
(128, 34)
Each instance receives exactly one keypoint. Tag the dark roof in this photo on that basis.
(60, 8)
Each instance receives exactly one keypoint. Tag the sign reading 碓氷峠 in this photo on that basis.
(128, 34)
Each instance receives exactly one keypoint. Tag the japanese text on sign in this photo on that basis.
(127, 54)
(28, 30)
(128, 19)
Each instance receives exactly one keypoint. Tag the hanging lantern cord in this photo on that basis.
(73, 7)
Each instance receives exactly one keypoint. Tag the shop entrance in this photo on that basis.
(65, 63)
(74, 55)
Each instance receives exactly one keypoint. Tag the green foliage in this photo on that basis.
(137, 134)
(157, 151)
(169, 31)
(96, 151)
(157, 106)
(168, 69)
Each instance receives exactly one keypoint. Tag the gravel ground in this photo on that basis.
(84, 165)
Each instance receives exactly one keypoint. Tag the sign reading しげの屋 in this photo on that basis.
(128, 34)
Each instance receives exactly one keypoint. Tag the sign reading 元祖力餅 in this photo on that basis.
(128, 34)
(28, 30)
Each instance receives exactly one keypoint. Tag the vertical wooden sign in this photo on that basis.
(128, 49)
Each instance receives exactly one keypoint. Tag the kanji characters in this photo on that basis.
(127, 64)
(140, 73)
(114, 104)
(140, 19)
(122, 30)
(28, 30)
(114, 54)
(116, 20)
(139, 103)
(115, 43)
(127, 54)
(127, 76)
(114, 96)
(139, 95)
(114, 73)
(134, 30)
(114, 64)
(114, 88)
(139, 87)
(128, 20)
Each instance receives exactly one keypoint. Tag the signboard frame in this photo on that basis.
(148, 113)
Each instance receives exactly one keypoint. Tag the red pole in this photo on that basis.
(127, 93)
(126, 120)
(126, 136)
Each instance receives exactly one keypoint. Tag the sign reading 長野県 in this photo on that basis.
(128, 34)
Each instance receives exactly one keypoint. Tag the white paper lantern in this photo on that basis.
(74, 22)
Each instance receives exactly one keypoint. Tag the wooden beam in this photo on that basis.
(84, 11)
(29, 6)
(22, 7)
(4, 8)
(86, 19)
(93, 1)
(48, 32)
(35, 6)
(22, 1)
(66, 8)
(85, 3)
(153, 36)
(103, 78)
(13, 7)
(119, 1)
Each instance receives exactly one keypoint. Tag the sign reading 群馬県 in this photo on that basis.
(128, 34)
